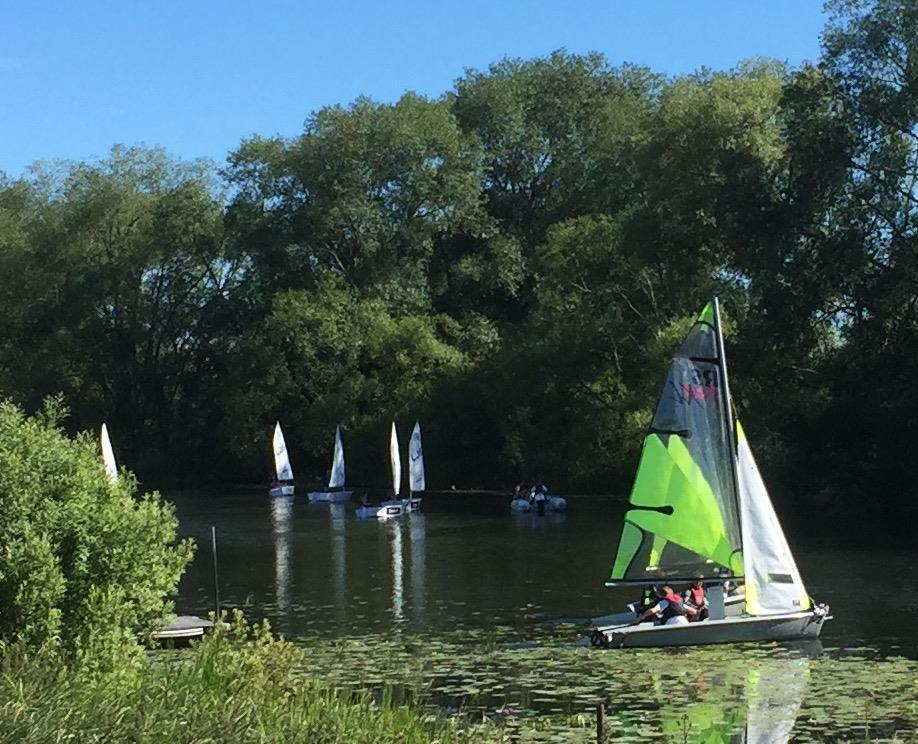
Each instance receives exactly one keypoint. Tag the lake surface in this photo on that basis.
(474, 607)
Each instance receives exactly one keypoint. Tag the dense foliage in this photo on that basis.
(511, 263)
(85, 567)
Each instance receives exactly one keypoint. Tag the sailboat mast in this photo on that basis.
(728, 404)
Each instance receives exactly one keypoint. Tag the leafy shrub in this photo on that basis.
(85, 565)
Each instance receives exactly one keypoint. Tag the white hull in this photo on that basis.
(331, 497)
(793, 626)
(386, 510)
(520, 505)
(557, 503)
(281, 491)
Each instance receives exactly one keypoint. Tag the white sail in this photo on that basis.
(396, 462)
(281, 458)
(773, 584)
(336, 480)
(108, 455)
(416, 460)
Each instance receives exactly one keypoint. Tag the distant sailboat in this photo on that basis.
(395, 506)
(284, 485)
(417, 481)
(108, 455)
(703, 512)
(335, 492)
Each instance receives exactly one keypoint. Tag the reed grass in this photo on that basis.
(240, 686)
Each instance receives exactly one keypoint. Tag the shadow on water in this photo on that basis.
(463, 605)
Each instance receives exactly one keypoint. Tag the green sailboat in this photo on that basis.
(700, 510)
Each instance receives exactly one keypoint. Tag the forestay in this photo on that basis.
(396, 461)
(108, 455)
(336, 480)
(773, 583)
(416, 460)
(685, 520)
(281, 458)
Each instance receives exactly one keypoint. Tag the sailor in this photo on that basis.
(669, 607)
(539, 497)
(648, 599)
(696, 598)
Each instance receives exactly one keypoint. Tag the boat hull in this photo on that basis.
(734, 606)
(386, 510)
(557, 503)
(281, 491)
(794, 626)
(331, 497)
(520, 505)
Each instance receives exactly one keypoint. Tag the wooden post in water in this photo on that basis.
(213, 538)
(600, 723)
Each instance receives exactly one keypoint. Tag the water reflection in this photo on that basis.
(754, 701)
(395, 535)
(338, 516)
(417, 529)
(281, 515)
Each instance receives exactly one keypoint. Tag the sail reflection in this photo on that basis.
(338, 516)
(417, 530)
(774, 694)
(395, 530)
(281, 515)
(747, 701)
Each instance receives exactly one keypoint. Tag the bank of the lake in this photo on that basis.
(239, 684)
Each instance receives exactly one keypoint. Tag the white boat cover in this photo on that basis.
(281, 458)
(773, 583)
(108, 455)
(337, 472)
(416, 461)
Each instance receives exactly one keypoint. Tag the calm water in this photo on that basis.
(467, 580)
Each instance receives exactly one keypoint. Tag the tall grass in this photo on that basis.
(238, 686)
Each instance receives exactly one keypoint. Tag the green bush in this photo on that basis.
(85, 565)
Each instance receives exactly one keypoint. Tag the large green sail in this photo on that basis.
(685, 523)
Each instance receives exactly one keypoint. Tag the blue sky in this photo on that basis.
(198, 76)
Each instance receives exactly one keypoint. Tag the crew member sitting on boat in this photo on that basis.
(539, 495)
(648, 599)
(696, 598)
(670, 609)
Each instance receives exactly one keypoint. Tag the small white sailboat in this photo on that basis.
(701, 511)
(417, 482)
(108, 455)
(284, 485)
(394, 507)
(336, 492)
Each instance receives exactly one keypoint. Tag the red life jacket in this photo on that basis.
(696, 596)
(675, 607)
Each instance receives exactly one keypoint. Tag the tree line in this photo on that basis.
(511, 263)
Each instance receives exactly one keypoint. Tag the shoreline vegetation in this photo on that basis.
(238, 683)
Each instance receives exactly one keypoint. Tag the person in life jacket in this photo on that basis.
(696, 598)
(540, 496)
(647, 599)
(669, 607)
